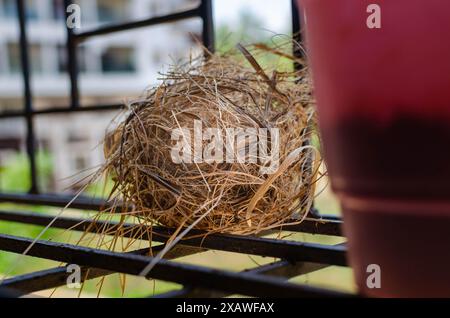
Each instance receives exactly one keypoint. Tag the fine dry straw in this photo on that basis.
(222, 91)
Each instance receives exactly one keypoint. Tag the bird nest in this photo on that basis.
(223, 144)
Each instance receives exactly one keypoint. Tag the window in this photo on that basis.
(8, 8)
(3, 61)
(58, 10)
(63, 59)
(80, 163)
(10, 143)
(15, 64)
(112, 10)
(35, 58)
(118, 59)
(32, 10)
(14, 58)
(162, 7)
(75, 137)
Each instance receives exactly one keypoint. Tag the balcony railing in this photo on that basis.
(293, 258)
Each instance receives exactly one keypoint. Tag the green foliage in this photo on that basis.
(15, 177)
(9, 263)
(15, 173)
(100, 189)
(250, 30)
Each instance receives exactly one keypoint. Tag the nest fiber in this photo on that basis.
(173, 161)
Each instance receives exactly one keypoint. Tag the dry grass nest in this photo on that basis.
(224, 91)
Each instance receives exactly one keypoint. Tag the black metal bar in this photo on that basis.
(137, 24)
(185, 274)
(8, 293)
(64, 110)
(56, 277)
(296, 29)
(37, 281)
(330, 217)
(72, 66)
(329, 227)
(290, 250)
(88, 203)
(282, 269)
(310, 226)
(206, 13)
(55, 200)
(30, 142)
(63, 199)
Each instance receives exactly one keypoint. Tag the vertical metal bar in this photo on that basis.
(206, 13)
(296, 31)
(72, 63)
(298, 52)
(30, 141)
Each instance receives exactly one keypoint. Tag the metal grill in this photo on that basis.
(271, 280)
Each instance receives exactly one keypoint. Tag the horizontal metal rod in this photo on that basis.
(282, 269)
(51, 278)
(7, 293)
(138, 24)
(55, 200)
(324, 226)
(290, 250)
(56, 277)
(310, 226)
(329, 225)
(185, 274)
(331, 217)
(62, 110)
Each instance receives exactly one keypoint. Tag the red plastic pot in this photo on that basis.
(381, 70)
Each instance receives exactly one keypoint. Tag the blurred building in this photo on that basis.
(112, 69)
